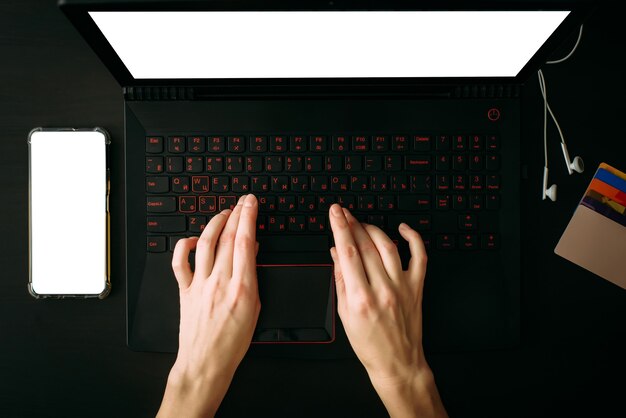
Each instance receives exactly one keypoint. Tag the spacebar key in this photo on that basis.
(287, 243)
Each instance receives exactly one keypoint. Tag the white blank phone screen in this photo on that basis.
(350, 44)
(68, 212)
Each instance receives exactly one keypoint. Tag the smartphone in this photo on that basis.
(68, 213)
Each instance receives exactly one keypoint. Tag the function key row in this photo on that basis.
(321, 143)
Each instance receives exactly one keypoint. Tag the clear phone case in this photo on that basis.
(106, 286)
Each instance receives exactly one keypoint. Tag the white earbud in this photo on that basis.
(577, 165)
(550, 192)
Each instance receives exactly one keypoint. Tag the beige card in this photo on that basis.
(595, 243)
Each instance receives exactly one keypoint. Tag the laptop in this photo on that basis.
(400, 114)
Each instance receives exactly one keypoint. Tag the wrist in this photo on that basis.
(410, 395)
(192, 394)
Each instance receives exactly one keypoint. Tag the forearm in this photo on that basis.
(188, 397)
(417, 396)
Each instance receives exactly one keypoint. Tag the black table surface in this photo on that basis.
(69, 357)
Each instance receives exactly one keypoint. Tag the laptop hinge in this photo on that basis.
(443, 91)
(141, 93)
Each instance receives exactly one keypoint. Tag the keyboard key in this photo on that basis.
(373, 163)
(258, 144)
(180, 184)
(161, 204)
(317, 143)
(367, 202)
(200, 184)
(154, 144)
(234, 164)
(413, 202)
(194, 164)
(155, 244)
(468, 221)
(278, 143)
(187, 204)
(319, 183)
(442, 202)
(476, 142)
(216, 144)
(195, 144)
(176, 144)
(420, 184)
(316, 223)
(341, 143)
(259, 184)
(293, 164)
(493, 162)
(493, 182)
(460, 144)
(313, 164)
(360, 143)
(297, 144)
(296, 223)
(306, 203)
(386, 202)
(442, 163)
(489, 241)
(299, 183)
(220, 184)
(214, 164)
(154, 165)
(236, 144)
(166, 223)
(240, 184)
(333, 163)
(421, 143)
(445, 242)
(379, 183)
(459, 182)
(207, 204)
(493, 142)
(459, 162)
(339, 183)
(279, 183)
(378, 220)
(443, 143)
(380, 143)
(347, 201)
(399, 183)
(174, 164)
(459, 202)
(226, 202)
(196, 223)
(157, 184)
(274, 164)
(254, 164)
(325, 202)
(476, 182)
(358, 183)
(393, 163)
(468, 241)
(442, 182)
(353, 163)
(476, 162)
(476, 202)
(400, 143)
(287, 203)
(492, 201)
(415, 163)
(267, 203)
(276, 223)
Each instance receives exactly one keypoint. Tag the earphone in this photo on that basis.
(577, 164)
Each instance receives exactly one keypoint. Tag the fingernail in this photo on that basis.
(404, 226)
(226, 211)
(335, 209)
(249, 202)
(241, 199)
(346, 212)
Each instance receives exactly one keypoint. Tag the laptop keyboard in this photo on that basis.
(445, 186)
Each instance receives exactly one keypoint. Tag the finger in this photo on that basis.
(180, 261)
(244, 257)
(205, 251)
(339, 282)
(388, 251)
(372, 262)
(350, 263)
(226, 243)
(417, 263)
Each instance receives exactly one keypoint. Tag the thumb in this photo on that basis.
(339, 283)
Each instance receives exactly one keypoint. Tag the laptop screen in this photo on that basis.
(329, 44)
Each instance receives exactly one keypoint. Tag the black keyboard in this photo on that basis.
(445, 186)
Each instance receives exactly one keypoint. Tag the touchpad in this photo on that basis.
(297, 303)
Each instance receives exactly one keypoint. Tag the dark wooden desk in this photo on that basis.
(68, 358)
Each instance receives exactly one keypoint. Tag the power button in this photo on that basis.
(493, 114)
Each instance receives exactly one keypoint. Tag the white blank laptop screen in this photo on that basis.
(251, 45)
